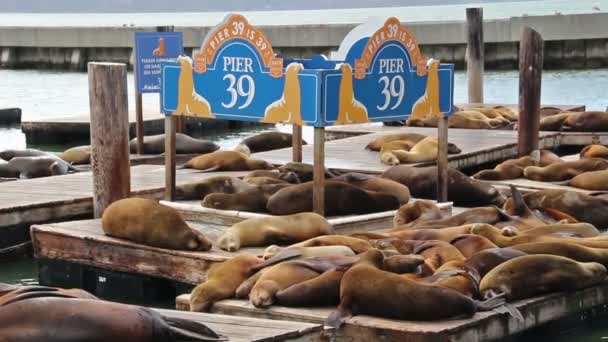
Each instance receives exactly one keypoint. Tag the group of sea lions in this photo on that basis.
(590, 172)
(426, 267)
(40, 313)
(402, 148)
(32, 163)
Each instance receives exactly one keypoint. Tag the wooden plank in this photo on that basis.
(531, 51)
(482, 326)
(251, 329)
(475, 54)
(109, 134)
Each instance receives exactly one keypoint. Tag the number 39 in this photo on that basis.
(239, 90)
(390, 91)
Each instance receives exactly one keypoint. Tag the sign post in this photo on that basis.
(151, 49)
(237, 76)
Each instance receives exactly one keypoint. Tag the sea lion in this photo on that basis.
(412, 213)
(565, 249)
(594, 151)
(462, 190)
(9, 154)
(509, 169)
(36, 167)
(215, 184)
(532, 275)
(377, 184)
(443, 234)
(303, 171)
(309, 252)
(226, 161)
(8, 171)
(356, 244)
(321, 290)
(53, 319)
(150, 223)
(565, 170)
(549, 111)
(583, 207)
(340, 199)
(184, 144)
(268, 141)
(189, 101)
(553, 122)
(424, 150)
(19, 293)
(485, 261)
(593, 180)
(274, 229)
(495, 113)
(386, 151)
(471, 244)
(410, 138)
(489, 215)
(288, 176)
(366, 289)
(77, 155)
(573, 229)
(264, 181)
(276, 278)
(254, 200)
(586, 122)
(437, 253)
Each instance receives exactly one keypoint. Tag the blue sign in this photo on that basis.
(151, 50)
(237, 76)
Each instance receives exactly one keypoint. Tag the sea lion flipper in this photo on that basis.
(511, 310)
(211, 169)
(337, 318)
(491, 303)
(520, 207)
(284, 255)
(192, 331)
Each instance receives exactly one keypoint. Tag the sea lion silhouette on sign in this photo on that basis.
(189, 102)
(287, 109)
(160, 50)
(350, 111)
(428, 104)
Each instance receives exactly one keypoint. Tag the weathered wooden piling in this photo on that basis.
(442, 159)
(109, 134)
(475, 54)
(531, 54)
(170, 157)
(296, 143)
(318, 195)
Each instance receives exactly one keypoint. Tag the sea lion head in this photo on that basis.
(389, 158)
(197, 241)
(262, 295)
(216, 201)
(229, 242)
(509, 231)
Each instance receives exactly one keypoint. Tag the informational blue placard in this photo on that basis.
(237, 76)
(151, 50)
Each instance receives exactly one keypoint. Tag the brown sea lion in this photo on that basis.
(277, 278)
(471, 244)
(587, 122)
(489, 215)
(303, 171)
(19, 293)
(437, 253)
(532, 275)
(254, 200)
(594, 151)
(572, 229)
(485, 261)
(289, 177)
(340, 199)
(215, 184)
(36, 167)
(583, 207)
(492, 113)
(410, 214)
(150, 223)
(565, 170)
(366, 289)
(425, 150)
(309, 252)
(377, 184)
(507, 113)
(268, 141)
(592, 180)
(554, 122)
(462, 190)
(77, 155)
(443, 234)
(321, 290)
(549, 111)
(264, 181)
(226, 161)
(473, 119)
(568, 250)
(411, 138)
(509, 169)
(52, 319)
(265, 231)
(356, 244)
(184, 144)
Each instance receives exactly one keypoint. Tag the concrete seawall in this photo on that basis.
(571, 41)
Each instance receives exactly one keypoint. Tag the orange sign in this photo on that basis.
(391, 31)
(236, 26)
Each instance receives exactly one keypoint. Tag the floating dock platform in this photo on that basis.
(483, 326)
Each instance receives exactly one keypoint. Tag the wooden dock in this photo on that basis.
(63, 198)
(478, 147)
(483, 326)
(245, 329)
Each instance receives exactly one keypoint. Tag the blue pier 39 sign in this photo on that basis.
(151, 50)
(237, 76)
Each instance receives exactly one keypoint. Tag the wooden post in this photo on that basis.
(475, 54)
(170, 157)
(139, 119)
(180, 120)
(296, 143)
(531, 51)
(108, 100)
(442, 160)
(318, 196)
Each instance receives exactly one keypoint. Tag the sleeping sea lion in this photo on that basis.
(268, 141)
(425, 150)
(36, 167)
(565, 170)
(592, 180)
(77, 155)
(216, 184)
(413, 213)
(587, 122)
(594, 151)
(184, 144)
(226, 161)
(252, 200)
(377, 184)
(411, 138)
